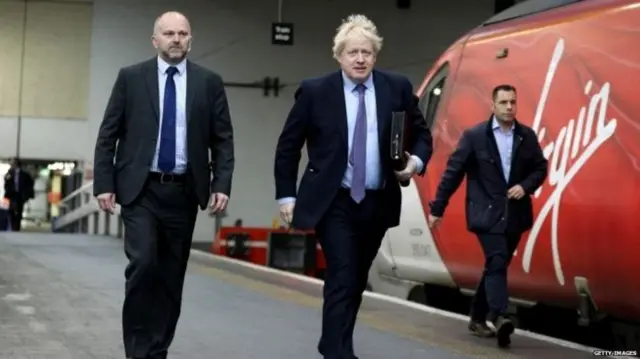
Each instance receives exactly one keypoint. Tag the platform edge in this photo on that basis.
(424, 308)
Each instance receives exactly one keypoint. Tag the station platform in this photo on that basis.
(61, 297)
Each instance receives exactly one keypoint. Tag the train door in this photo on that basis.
(411, 244)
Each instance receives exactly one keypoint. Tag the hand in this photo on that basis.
(409, 170)
(286, 212)
(218, 203)
(107, 202)
(433, 221)
(516, 192)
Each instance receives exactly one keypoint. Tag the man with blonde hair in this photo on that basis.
(156, 108)
(349, 193)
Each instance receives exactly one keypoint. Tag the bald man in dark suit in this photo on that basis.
(167, 116)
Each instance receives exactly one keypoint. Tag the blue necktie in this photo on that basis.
(167, 152)
(358, 157)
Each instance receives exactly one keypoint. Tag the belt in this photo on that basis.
(167, 177)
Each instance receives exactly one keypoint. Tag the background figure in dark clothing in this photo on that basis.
(504, 165)
(18, 189)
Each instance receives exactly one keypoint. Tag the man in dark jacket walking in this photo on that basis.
(504, 165)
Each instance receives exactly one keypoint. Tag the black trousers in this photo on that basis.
(15, 215)
(158, 233)
(350, 235)
(491, 299)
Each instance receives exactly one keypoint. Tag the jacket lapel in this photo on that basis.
(192, 78)
(517, 140)
(383, 112)
(336, 95)
(492, 148)
(151, 78)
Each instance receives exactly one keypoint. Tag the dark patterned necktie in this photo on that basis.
(167, 152)
(358, 156)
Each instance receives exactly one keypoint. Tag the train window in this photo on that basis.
(526, 8)
(433, 93)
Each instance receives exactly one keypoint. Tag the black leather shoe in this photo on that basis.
(504, 329)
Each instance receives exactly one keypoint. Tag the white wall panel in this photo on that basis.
(56, 63)
(53, 95)
(45, 138)
(8, 133)
(11, 20)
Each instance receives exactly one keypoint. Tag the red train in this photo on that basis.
(575, 65)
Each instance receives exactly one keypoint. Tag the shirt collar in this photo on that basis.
(495, 125)
(351, 86)
(163, 66)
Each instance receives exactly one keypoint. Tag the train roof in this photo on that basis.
(525, 8)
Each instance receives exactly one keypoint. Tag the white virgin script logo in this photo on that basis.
(575, 142)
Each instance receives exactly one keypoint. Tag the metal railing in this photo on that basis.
(79, 213)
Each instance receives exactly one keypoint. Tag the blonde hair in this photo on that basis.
(356, 25)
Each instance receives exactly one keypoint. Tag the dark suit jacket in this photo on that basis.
(25, 190)
(487, 208)
(132, 118)
(318, 117)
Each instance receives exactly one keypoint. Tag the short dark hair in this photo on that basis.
(503, 87)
